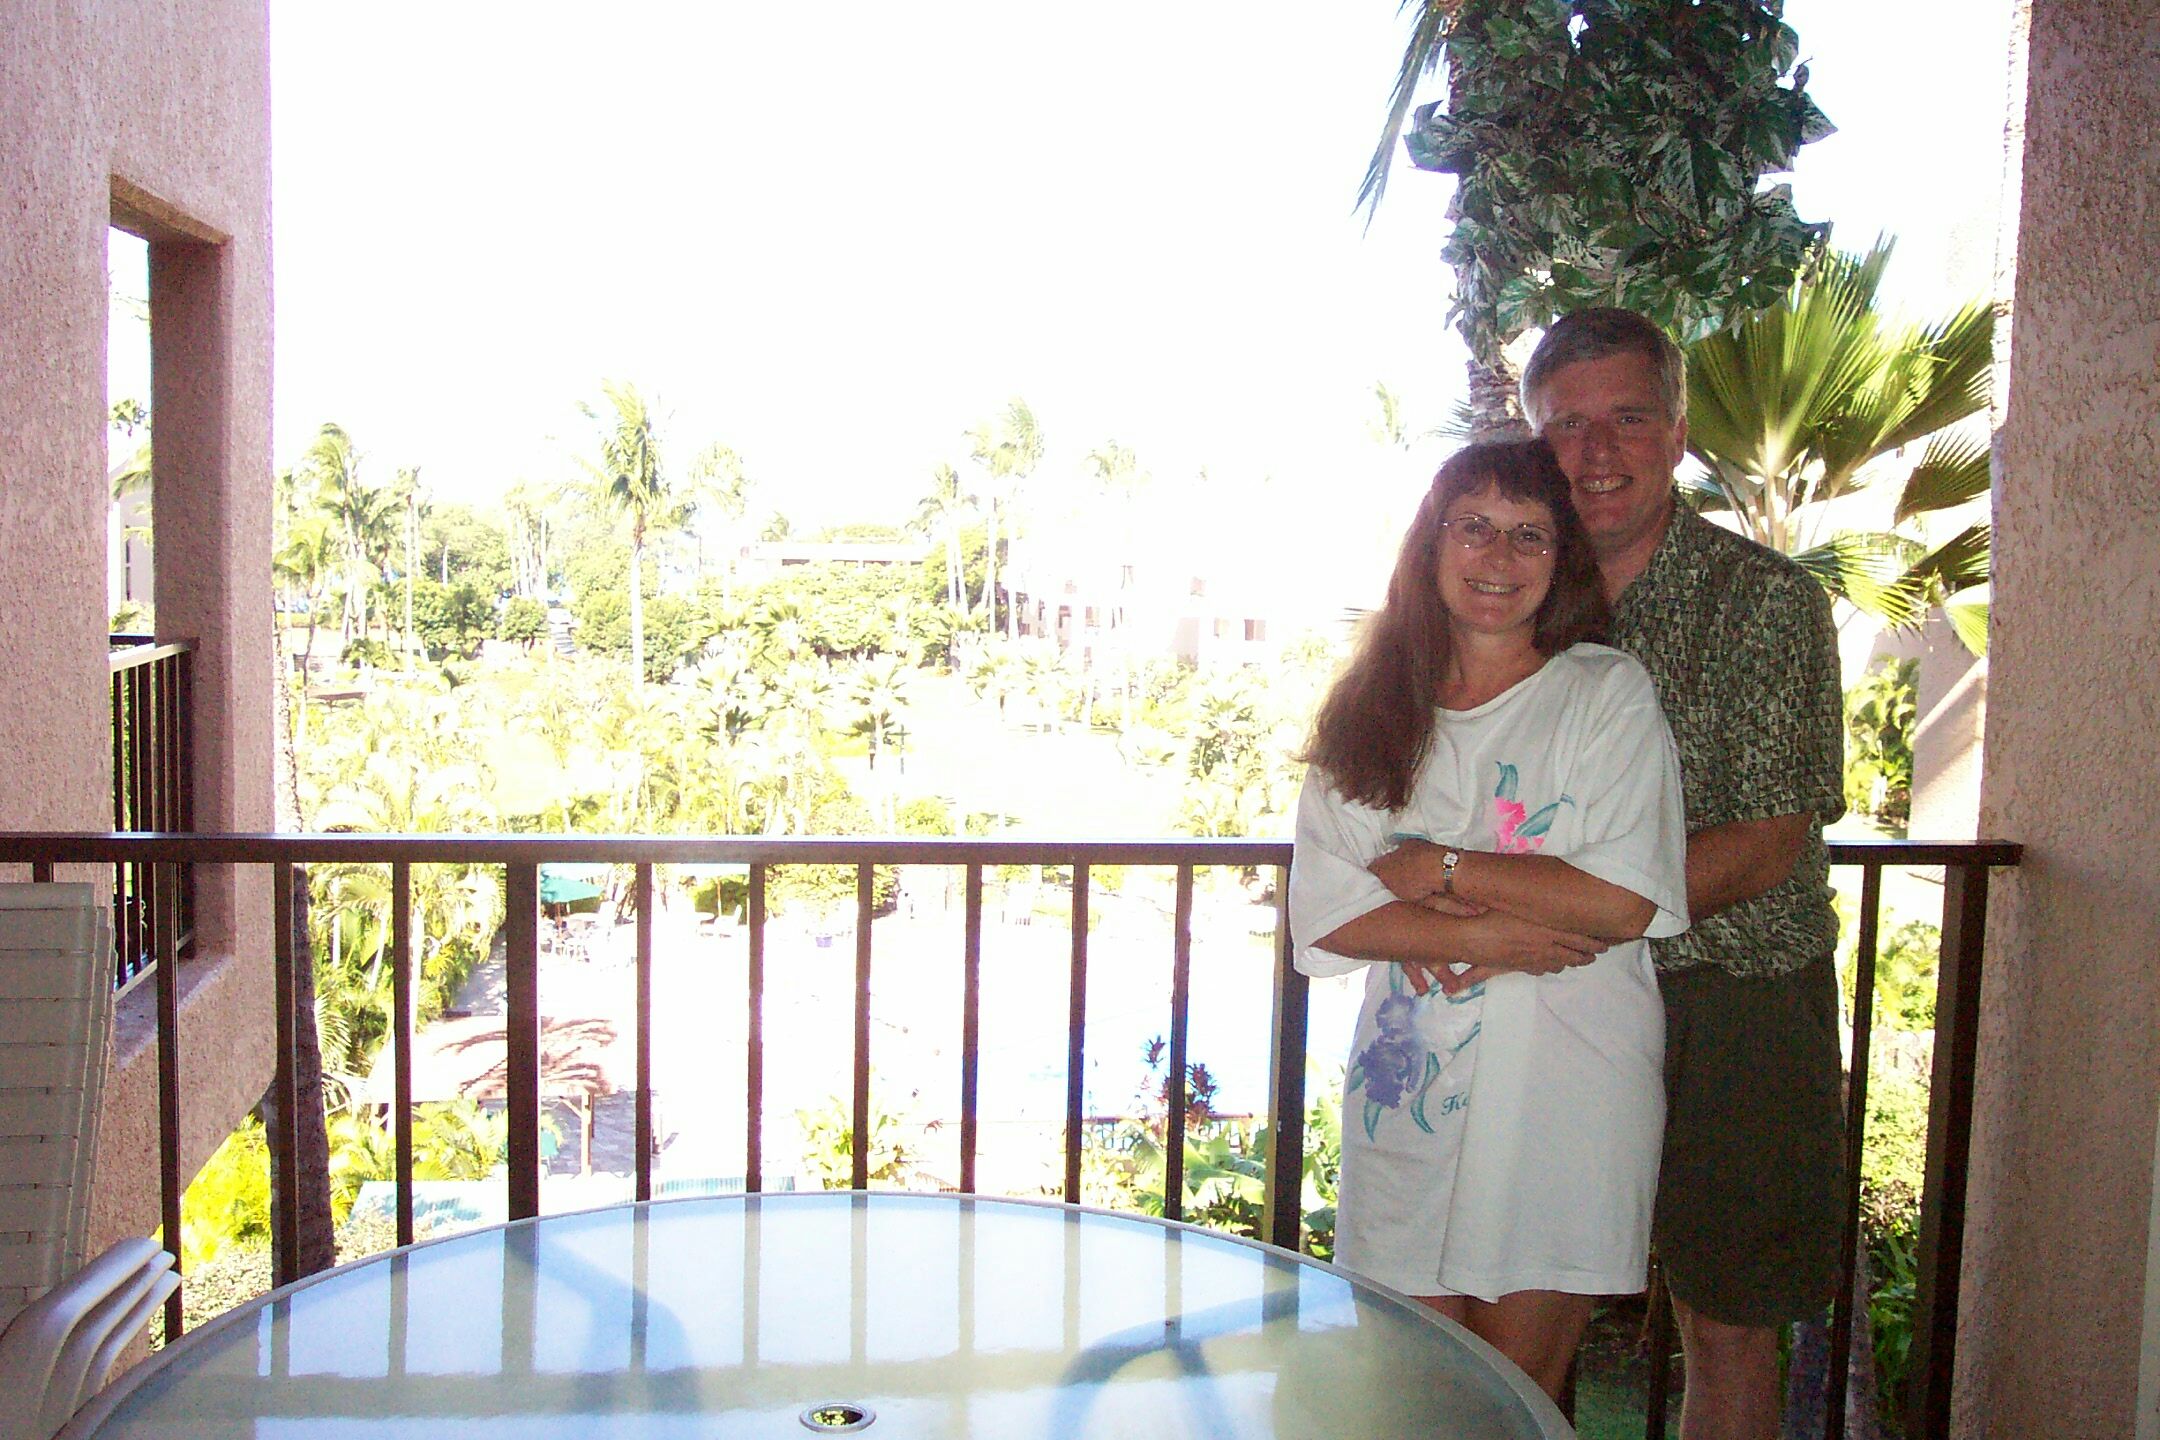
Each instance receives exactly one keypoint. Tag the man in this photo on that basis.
(1739, 641)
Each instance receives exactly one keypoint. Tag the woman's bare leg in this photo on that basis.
(1537, 1329)
(1455, 1307)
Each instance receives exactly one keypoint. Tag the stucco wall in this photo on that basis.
(153, 114)
(2065, 1118)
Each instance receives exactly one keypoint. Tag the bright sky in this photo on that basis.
(835, 236)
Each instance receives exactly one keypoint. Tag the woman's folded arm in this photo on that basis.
(1540, 888)
(1425, 943)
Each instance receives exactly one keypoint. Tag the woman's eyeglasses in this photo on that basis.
(1475, 532)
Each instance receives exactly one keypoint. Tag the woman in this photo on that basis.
(1490, 827)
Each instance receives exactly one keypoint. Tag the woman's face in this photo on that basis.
(1494, 588)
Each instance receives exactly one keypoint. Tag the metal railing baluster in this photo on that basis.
(401, 1039)
(643, 1122)
(754, 1046)
(165, 926)
(859, 1148)
(970, 1025)
(1076, 1034)
(284, 1137)
(1949, 1150)
(1283, 1212)
(1180, 1017)
(521, 1035)
(1856, 1088)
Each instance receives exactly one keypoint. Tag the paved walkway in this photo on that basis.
(699, 1020)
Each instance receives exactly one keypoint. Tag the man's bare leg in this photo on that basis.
(1732, 1379)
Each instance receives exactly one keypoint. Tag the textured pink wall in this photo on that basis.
(2070, 1063)
(152, 114)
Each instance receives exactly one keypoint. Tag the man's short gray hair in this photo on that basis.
(1595, 334)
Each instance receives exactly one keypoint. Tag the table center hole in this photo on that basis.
(838, 1417)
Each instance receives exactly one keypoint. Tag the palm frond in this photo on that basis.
(1428, 41)
(1870, 572)
(1960, 355)
(1953, 470)
(1963, 562)
(1460, 426)
(1969, 621)
(132, 474)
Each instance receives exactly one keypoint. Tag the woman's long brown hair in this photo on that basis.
(1374, 728)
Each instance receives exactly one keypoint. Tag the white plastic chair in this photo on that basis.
(55, 1012)
(59, 1350)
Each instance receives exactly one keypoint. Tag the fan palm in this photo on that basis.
(1803, 405)
(877, 696)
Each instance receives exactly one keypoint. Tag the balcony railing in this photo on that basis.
(1966, 869)
(152, 784)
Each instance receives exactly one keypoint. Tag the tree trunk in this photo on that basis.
(1496, 401)
(412, 543)
(990, 571)
(637, 608)
(310, 1176)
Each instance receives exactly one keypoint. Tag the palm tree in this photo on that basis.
(407, 489)
(877, 690)
(132, 475)
(1118, 474)
(632, 480)
(717, 482)
(1815, 400)
(1388, 427)
(306, 563)
(529, 522)
(1605, 154)
(362, 513)
(1007, 450)
(939, 515)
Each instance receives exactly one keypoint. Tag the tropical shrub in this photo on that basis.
(452, 619)
(1225, 1179)
(1907, 964)
(522, 622)
(227, 1205)
(1879, 715)
(829, 1144)
(1893, 1161)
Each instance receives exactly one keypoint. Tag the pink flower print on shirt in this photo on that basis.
(1516, 831)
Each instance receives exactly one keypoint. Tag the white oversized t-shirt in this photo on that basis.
(1507, 1139)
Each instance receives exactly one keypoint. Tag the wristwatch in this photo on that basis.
(1449, 859)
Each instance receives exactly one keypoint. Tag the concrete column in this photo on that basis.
(211, 487)
(2061, 1192)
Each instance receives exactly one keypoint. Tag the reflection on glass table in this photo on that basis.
(921, 1315)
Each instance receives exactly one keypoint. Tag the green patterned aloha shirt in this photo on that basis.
(1740, 643)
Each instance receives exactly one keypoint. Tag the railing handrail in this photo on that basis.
(143, 650)
(356, 847)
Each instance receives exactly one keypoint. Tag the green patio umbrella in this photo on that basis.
(562, 884)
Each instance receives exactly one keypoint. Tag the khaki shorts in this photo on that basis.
(1750, 1206)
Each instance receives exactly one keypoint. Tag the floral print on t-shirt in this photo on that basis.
(1400, 1062)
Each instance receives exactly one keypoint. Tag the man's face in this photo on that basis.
(1605, 420)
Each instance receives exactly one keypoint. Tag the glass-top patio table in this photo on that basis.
(885, 1315)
